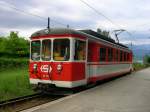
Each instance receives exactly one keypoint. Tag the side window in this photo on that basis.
(121, 56)
(80, 50)
(46, 50)
(117, 55)
(102, 54)
(125, 58)
(110, 54)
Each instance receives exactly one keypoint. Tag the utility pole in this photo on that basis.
(48, 25)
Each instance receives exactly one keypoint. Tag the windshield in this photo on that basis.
(46, 50)
(35, 50)
(61, 50)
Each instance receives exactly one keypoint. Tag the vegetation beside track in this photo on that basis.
(138, 66)
(14, 83)
(7, 63)
(144, 64)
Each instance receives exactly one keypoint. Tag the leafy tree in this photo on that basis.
(14, 46)
(3, 44)
(13, 35)
(146, 60)
(103, 32)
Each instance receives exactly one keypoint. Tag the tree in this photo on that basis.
(103, 32)
(13, 35)
(146, 60)
(14, 46)
(3, 44)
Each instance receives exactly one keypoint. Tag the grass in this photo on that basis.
(14, 83)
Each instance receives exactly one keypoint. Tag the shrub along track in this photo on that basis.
(26, 102)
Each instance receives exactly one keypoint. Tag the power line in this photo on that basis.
(32, 14)
(99, 13)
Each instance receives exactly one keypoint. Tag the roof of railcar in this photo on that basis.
(55, 31)
(62, 31)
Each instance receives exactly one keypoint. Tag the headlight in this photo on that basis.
(59, 67)
(35, 67)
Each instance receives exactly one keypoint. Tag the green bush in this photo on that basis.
(13, 62)
(138, 66)
(147, 60)
(14, 46)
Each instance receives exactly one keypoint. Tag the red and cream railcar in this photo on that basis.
(70, 58)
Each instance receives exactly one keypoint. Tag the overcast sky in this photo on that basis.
(132, 15)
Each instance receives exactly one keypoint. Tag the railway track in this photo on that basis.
(19, 99)
(26, 102)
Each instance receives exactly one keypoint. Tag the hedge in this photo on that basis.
(13, 62)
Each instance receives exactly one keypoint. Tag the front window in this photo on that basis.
(46, 50)
(80, 50)
(35, 50)
(61, 50)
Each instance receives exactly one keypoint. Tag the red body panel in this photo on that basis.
(93, 53)
(71, 71)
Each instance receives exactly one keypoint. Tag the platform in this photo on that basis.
(130, 93)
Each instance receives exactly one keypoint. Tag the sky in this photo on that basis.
(131, 15)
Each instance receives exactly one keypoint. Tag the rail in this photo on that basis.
(26, 102)
(19, 99)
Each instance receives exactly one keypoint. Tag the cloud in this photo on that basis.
(130, 15)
